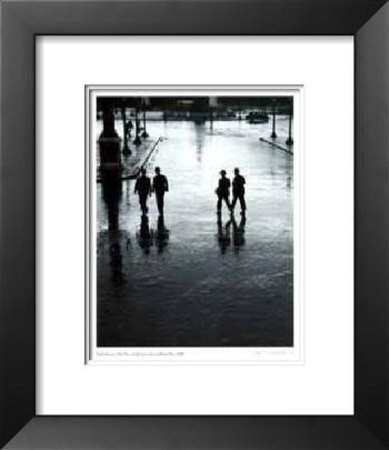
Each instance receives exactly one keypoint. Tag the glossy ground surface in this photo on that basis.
(196, 279)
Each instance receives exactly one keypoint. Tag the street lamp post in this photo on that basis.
(126, 149)
(274, 134)
(289, 141)
(210, 117)
(137, 139)
(145, 134)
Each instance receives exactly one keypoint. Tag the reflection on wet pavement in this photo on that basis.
(194, 277)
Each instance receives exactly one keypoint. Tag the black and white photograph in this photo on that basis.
(192, 221)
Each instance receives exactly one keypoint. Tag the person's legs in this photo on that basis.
(143, 203)
(227, 200)
(160, 203)
(219, 203)
(242, 202)
(234, 200)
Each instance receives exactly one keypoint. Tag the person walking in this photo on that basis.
(238, 191)
(160, 186)
(223, 191)
(143, 189)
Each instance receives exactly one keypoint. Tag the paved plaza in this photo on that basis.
(193, 278)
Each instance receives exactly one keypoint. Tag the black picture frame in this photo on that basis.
(21, 22)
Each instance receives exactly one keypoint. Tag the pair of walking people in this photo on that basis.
(144, 189)
(238, 191)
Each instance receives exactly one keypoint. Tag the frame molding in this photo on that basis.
(21, 21)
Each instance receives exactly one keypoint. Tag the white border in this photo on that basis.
(324, 383)
(192, 355)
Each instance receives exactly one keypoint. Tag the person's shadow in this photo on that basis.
(231, 233)
(115, 261)
(223, 234)
(145, 234)
(161, 236)
(238, 239)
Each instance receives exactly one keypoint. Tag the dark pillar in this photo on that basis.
(126, 149)
(137, 139)
(109, 141)
(112, 192)
(289, 141)
(144, 134)
(274, 134)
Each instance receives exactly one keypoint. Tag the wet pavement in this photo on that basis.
(195, 279)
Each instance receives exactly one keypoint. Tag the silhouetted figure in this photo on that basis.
(162, 234)
(145, 235)
(160, 186)
(223, 191)
(238, 190)
(223, 234)
(143, 189)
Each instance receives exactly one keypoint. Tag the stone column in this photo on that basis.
(109, 141)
